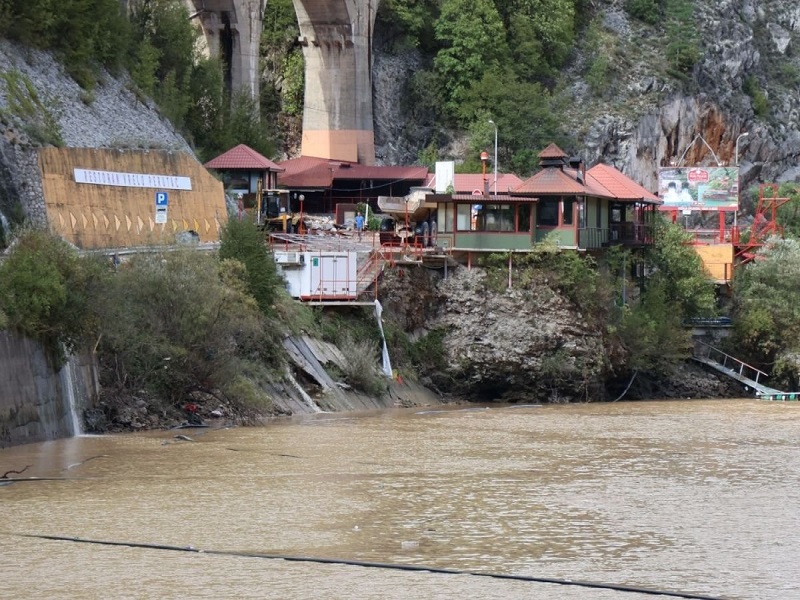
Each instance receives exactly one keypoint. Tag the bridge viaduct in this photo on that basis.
(336, 38)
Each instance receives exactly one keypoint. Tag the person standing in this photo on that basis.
(359, 224)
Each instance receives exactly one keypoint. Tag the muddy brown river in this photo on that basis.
(701, 497)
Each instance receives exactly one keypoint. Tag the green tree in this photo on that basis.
(82, 32)
(526, 117)
(683, 47)
(245, 125)
(789, 213)
(164, 25)
(206, 119)
(409, 22)
(757, 96)
(541, 34)
(648, 11)
(279, 27)
(243, 241)
(767, 309)
(177, 322)
(46, 291)
(528, 52)
(678, 268)
(474, 43)
(650, 329)
(294, 84)
(145, 66)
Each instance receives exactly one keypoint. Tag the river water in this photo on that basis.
(696, 496)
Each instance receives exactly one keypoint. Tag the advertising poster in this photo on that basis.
(699, 188)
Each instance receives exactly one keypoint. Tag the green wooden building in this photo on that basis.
(564, 202)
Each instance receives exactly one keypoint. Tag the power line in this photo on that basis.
(396, 567)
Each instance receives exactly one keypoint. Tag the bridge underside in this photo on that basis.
(336, 37)
(232, 31)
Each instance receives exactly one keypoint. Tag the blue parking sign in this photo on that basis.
(161, 199)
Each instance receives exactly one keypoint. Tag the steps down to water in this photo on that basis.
(747, 375)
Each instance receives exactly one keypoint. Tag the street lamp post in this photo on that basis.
(495, 156)
(741, 135)
(301, 228)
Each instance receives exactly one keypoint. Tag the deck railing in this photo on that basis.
(703, 350)
(592, 238)
(626, 234)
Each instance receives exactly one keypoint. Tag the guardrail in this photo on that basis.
(729, 362)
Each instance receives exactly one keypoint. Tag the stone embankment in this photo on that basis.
(37, 401)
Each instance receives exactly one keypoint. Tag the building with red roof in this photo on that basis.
(241, 168)
(563, 202)
(326, 184)
(588, 209)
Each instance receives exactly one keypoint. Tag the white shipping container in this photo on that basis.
(320, 275)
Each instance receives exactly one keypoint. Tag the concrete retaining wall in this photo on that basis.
(35, 399)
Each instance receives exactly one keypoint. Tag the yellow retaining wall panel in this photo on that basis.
(111, 216)
(717, 260)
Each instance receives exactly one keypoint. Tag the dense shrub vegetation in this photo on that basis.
(168, 323)
(46, 292)
(767, 311)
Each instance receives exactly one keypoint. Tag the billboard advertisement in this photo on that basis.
(699, 188)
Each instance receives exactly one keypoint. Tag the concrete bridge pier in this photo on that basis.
(336, 37)
(232, 31)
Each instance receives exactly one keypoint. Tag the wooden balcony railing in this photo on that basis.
(626, 234)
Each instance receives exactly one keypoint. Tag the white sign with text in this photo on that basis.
(138, 180)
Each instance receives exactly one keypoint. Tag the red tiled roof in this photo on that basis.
(356, 171)
(242, 157)
(499, 198)
(313, 172)
(308, 172)
(602, 181)
(552, 151)
(551, 181)
(465, 183)
(619, 185)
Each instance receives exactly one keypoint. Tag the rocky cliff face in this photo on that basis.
(523, 345)
(40, 104)
(648, 118)
(520, 345)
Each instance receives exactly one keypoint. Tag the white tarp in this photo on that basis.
(387, 364)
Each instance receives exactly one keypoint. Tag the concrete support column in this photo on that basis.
(242, 21)
(336, 36)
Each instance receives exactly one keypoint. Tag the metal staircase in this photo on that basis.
(367, 277)
(747, 375)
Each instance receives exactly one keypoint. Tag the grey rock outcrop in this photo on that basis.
(649, 118)
(531, 343)
(41, 104)
(512, 345)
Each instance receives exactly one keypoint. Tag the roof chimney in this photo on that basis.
(576, 162)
